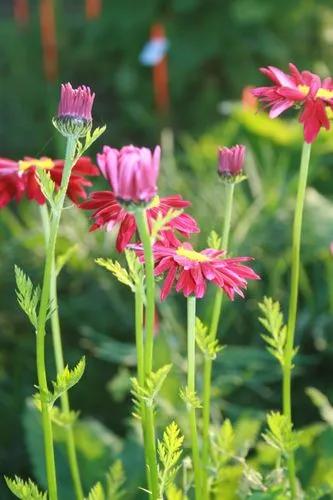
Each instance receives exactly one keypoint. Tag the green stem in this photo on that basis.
(149, 434)
(59, 361)
(42, 317)
(207, 375)
(292, 315)
(191, 303)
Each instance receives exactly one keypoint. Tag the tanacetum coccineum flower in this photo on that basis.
(131, 172)
(190, 270)
(231, 161)
(74, 110)
(299, 88)
(12, 186)
(108, 213)
(24, 175)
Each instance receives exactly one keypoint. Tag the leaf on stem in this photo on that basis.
(115, 480)
(26, 490)
(89, 139)
(280, 434)
(169, 452)
(162, 221)
(272, 321)
(190, 398)
(214, 240)
(209, 346)
(67, 379)
(27, 296)
(96, 492)
(153, 385)
(47, 185)
(118, 271)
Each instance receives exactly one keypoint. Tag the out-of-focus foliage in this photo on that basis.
(215, 49)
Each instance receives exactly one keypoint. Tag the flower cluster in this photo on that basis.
(132, 174)
(301, 89)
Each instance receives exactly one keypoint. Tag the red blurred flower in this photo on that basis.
(191, 270)
(131, 172)
(108, 213)
(11, 184)
(23, 175)
(304, 89)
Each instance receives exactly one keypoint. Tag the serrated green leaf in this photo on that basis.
(161, 222)
(214, 240)
(169, 452)
(26, 490)
(153, 385)
(96, 492)
(115, 480)
(190, 398)
(208, 345)
(46, 184)
(89, 139)
(280, 434)
(27, 296)
(67, 379)
(118, 271)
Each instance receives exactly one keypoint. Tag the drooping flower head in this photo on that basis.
(131, 172)
(304, 89)
(108, 213)
(21, 177)
(190, 271)
(74, 111)
(231, 162)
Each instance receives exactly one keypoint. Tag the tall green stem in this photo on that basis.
(150, 441)
(42, 317)
(293, 299)
(191, 303)
(59, 361)
(217, 308)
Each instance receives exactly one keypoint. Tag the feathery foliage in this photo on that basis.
(27, 296)
(209, 347)
(26, 490)
(280, 434)
(169, 452)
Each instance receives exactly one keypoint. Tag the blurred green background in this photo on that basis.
(216, 48)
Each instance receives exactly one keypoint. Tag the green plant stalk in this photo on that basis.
(207, 374)
(191, 303)
(60, 365)
(293, 299)
(42, 317)
(149, 434)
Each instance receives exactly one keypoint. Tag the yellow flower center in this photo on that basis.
(45, 163)
(321, 93)
(155, 202)
(191, 254)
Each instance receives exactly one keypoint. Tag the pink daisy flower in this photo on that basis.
(190, 271)
(108, 213)
(303, 89)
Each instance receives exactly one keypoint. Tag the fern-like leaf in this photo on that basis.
(190, 398)
(97, 492)
(26, 490)
(27, 296)
(280, 434)
(209, 346)
(115, 480)
(153, 385)
(46, 185)
(162, 221)
(67, 379)
(214, 240)
(89, 139)
(118, 271)
(169, 452)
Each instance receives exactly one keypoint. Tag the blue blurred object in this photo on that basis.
(154, 51)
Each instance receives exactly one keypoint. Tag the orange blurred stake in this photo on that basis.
(93, 8)
(49, 39)
(21, 12)
(160, 74)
